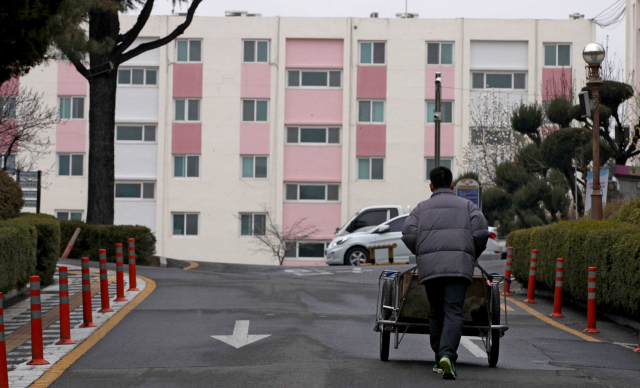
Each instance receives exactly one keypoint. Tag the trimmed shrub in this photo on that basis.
(612, 247)
(18, 247)
(629, 213)
(95, 237)
(11, 201)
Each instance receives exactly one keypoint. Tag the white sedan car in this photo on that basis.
(351, 249)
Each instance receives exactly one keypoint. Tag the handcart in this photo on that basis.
(404, 309)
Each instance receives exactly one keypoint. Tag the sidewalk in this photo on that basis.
(17, 322)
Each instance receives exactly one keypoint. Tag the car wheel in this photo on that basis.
(356, 256)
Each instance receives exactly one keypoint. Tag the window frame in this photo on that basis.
(426, 109)
(309, 144)
(189, 50)
(71, 155)
(440, 43)
(512, 73)
(253, 223)
(143, 141)
(370, 158)
(144, 83)
(255, 110)
(297, 248)
(141, 198)
(425, 164)
(173, 174)
(254, 166)
(544, 59)
(71, 108)
(185, 235)
(186, 110)
(69, 214)
(10, 102)
(384, 112)
(360, 63)
(328, 71)
(326, 192)
(255, 50)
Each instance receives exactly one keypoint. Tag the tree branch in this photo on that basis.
(161, 42)
(130, 36)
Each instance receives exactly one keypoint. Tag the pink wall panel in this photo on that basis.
(254, 139)
(325, 217)
(70, 82)
(71, 136)
(555, 82)
(256, 81)
(447, 140)
(8, 131)
(313, 106)
(448, 74)
(11, 87)
(315, 53)
(371, 140)
(186, 138)
(312, 164)
(372, 82)
(187, 80)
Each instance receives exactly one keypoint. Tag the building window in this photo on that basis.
(11, 163)
(71, 164)
(312, 192)
(371, 168)
(69, 215)
(313, 135)
(439, 53)
(9, 110)
(557, 55)
(253, 224)
(137, 76)
(135, 190)
(372, 53)
(314, 79)
(305, 249)
(447, 111)
(431, 164)
(187, 110)
(185, 224)
(186, 166)
(255, 110)
(136, 133)
(370, 111)
(513, 81)
(254, 166)
(189, 50)
(255, 51)
(72, 107)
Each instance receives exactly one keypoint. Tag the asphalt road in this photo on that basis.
(320, 326)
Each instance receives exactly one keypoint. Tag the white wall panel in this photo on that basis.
(135, 213)
(486, 55)
(149, 58)
(136, 161)
(137, 104)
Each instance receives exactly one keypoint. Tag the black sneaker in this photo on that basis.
(448, 369)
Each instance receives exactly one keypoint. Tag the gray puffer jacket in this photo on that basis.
(447, 234)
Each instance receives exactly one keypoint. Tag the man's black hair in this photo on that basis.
(441, 177)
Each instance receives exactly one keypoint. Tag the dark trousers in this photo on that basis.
(446, 297)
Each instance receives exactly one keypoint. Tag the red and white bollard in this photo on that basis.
(104, 283)
(4, 370)
(635, 351)
(37, 346)
(65, 318)
(70, 245)
(557, 300)
(87, 314)
(119, 275)
(591, 302)
(132, 265)
(507, 272)
(532, 277)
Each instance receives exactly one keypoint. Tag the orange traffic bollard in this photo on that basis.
(104, 283)
(507, 272)
(532, 277)
(591, 303)
(65, 318)
(4, 370)
(557, 300)
(87, 314)
(132, 265)
(37, 345)
(119, 275)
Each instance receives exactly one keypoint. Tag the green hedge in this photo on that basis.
(95, 237)
(629, 213)
(612, 247)
(18, 247)
(48, 229)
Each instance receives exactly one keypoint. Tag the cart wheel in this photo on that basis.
(385, 336)
(494, 335)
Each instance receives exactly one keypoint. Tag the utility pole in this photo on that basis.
(437, 117)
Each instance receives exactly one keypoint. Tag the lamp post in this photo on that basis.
(594, 54)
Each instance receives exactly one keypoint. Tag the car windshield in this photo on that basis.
(350, 219)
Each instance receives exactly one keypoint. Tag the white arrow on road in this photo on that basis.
(240, 336)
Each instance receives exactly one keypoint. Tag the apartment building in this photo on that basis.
(310, 118)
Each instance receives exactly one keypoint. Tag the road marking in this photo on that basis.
(240, 336)
(473, 348)
(192, 265)
(65, 362)
(552, 322)
(628, 346)
(356, 270)
(307, 272)
(508, 307)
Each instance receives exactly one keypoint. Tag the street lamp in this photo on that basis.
(594, 54)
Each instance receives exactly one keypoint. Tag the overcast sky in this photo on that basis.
(501, 9)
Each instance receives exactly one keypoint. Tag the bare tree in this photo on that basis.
(273, 239)
(24, 119)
